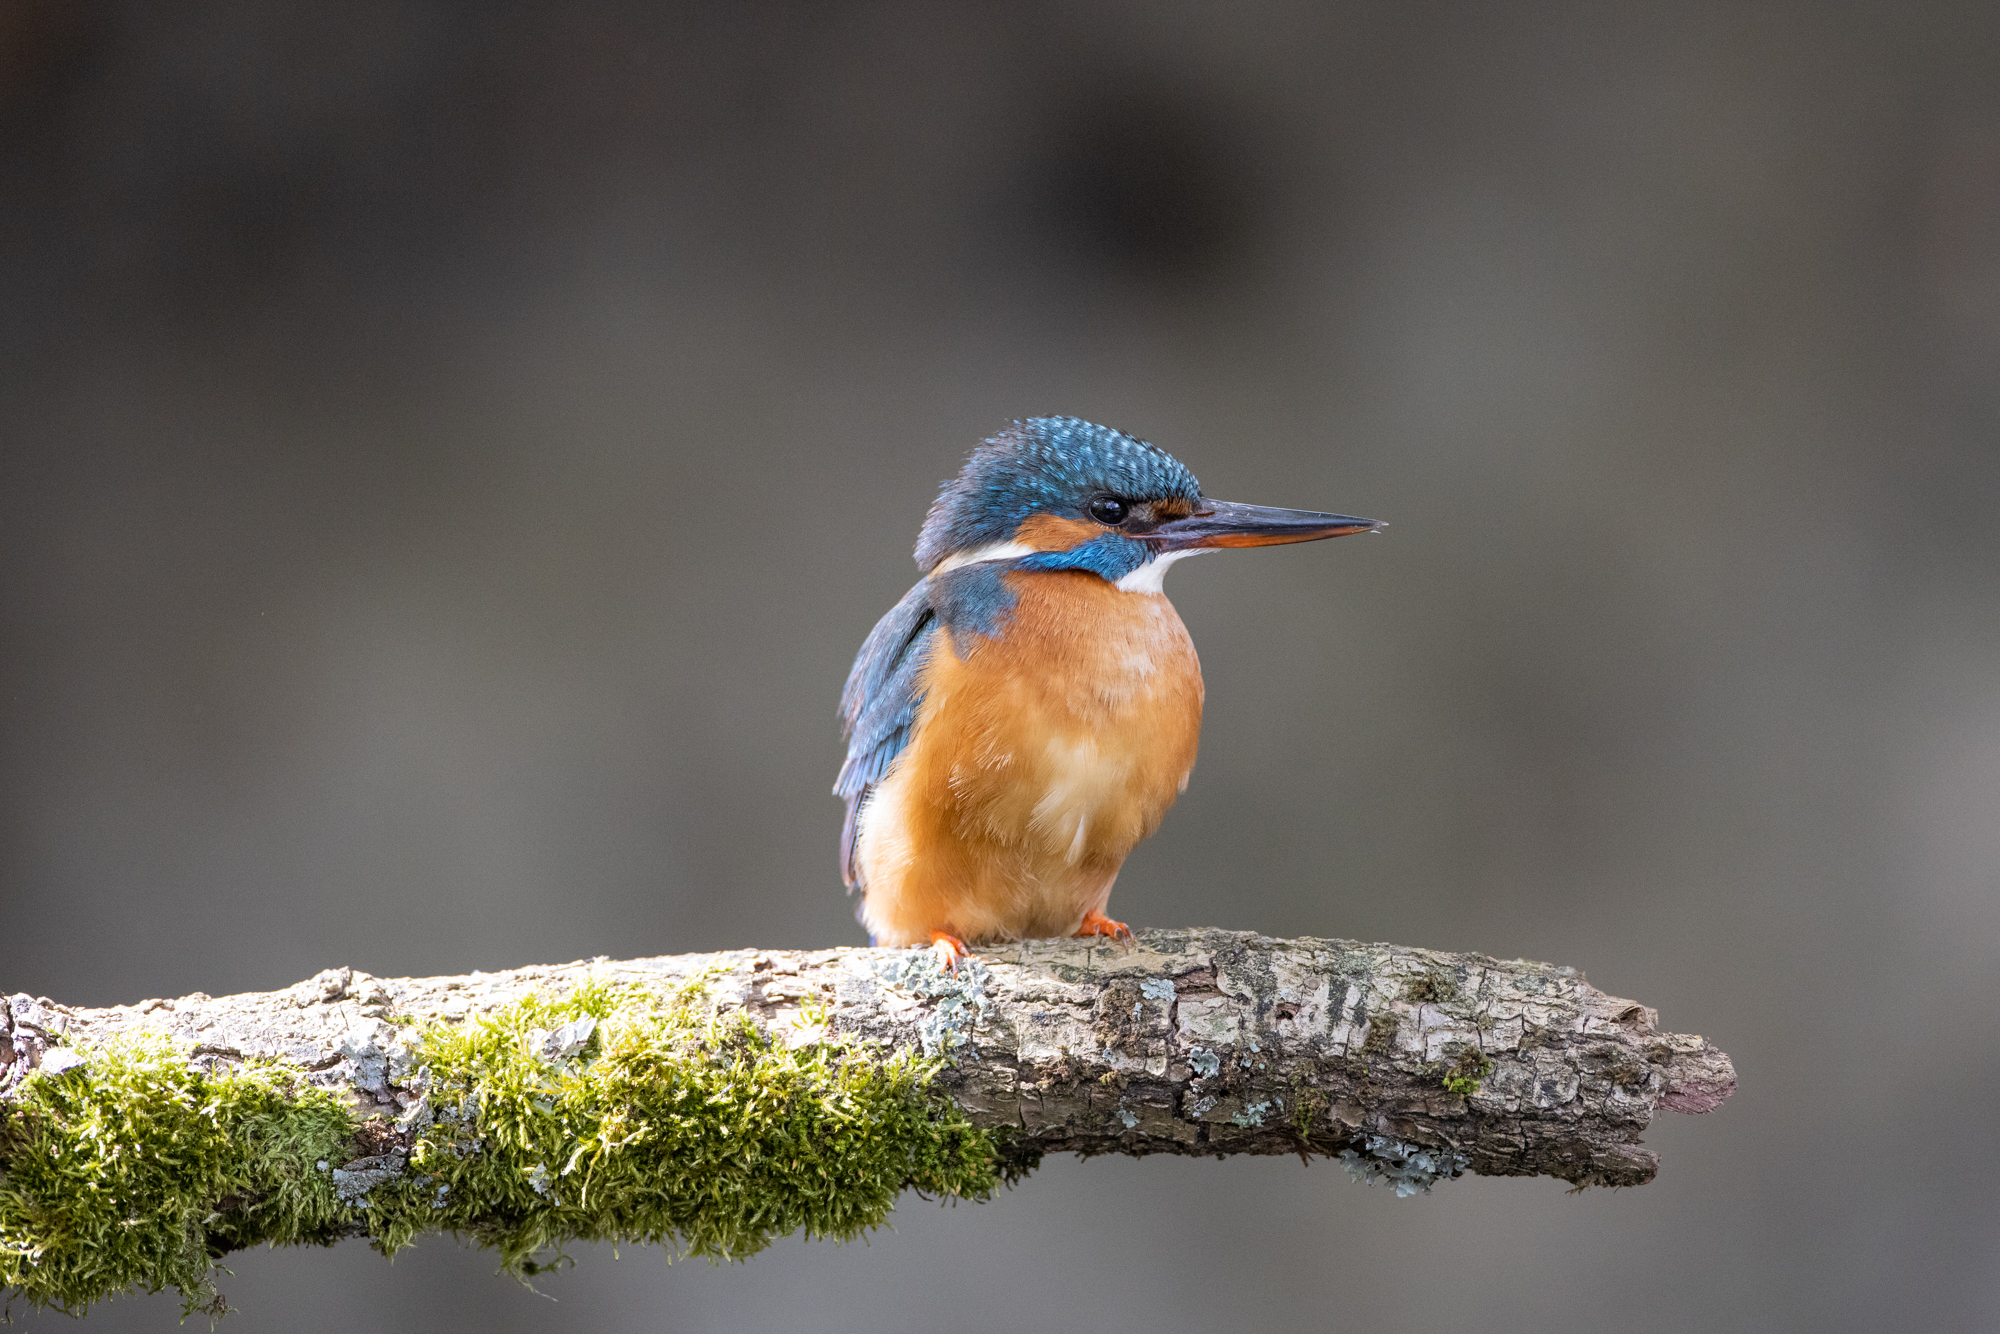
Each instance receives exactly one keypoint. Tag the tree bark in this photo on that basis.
(1409, 1063)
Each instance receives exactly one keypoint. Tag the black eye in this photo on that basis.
(1109, 510)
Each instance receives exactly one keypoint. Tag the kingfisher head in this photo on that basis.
(1057, 493)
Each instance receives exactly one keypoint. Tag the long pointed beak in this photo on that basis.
(1223, 524)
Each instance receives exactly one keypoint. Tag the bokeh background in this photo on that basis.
(452, 452)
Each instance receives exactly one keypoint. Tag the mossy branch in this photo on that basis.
(711, 1103)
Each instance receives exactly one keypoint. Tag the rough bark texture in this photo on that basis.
(1199, 1041)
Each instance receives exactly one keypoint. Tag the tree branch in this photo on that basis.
(716, 1102)
(1201, 1041)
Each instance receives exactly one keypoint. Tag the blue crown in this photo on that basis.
(1045, 465)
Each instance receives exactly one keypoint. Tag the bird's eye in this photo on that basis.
(1109, 510)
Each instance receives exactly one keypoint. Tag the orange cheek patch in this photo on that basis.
(1052, 532)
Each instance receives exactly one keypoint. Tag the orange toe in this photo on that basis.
(949, 950)
(1097, 924)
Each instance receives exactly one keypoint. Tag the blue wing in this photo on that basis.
(878, 708)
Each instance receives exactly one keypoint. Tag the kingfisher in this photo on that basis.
(1026, 714)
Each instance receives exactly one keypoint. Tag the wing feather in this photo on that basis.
(878, 708)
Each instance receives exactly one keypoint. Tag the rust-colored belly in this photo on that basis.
(1040, 759)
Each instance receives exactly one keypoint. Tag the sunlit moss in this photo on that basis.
(671, 1126)
(607, 1115)
(130, 1171)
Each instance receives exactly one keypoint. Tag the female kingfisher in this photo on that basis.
(1027, 713)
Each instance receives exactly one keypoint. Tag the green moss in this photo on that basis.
(671, 1126)
(1307, 1104)
(660, 1122)
(132, 1171)
(1465, 1074)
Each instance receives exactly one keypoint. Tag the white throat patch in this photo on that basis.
(1152, 576)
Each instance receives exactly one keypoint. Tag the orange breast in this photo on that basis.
(1040, 759)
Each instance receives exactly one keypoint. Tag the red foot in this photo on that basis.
(1097, 924)
(949, 950)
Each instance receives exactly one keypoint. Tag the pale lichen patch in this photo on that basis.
(1409, 1169)
(1254, 1114)
(957, 997)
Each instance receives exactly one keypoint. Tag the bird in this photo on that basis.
(1029, 710)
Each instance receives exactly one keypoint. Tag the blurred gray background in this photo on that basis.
(452, 453)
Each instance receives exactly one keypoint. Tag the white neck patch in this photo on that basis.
(1152, 576)
(1148, 578)
(980, 555)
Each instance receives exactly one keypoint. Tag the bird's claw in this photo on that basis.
(949, 950)
(1097, 924)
